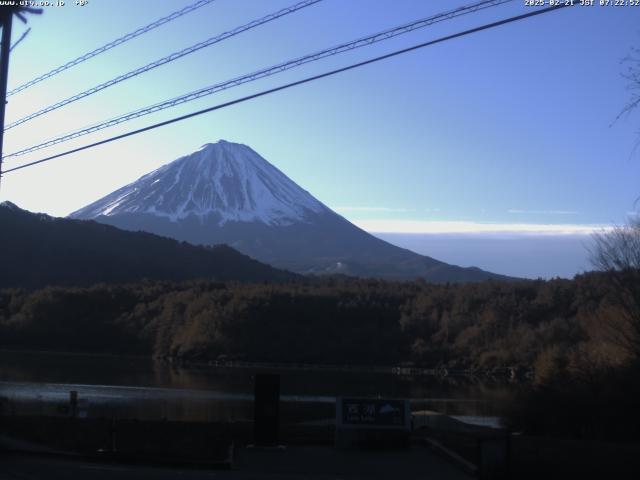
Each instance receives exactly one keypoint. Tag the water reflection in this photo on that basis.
(136, 387)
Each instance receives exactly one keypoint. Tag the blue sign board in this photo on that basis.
(373, 413)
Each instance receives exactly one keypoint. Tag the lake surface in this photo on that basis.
(134, 387)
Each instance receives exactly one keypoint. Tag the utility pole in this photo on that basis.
(7, 20)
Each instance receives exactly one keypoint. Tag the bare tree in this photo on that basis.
(632, 75)
(618, 248)
(617, 252)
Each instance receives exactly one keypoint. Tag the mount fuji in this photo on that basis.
(226, 193)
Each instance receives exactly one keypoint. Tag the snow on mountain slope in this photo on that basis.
(225, 193)
(228, 181)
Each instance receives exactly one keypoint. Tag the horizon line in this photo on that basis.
(437, 227)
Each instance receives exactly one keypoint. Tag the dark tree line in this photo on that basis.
(334, 320)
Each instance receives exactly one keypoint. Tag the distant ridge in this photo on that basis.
(226, 193)
(39, 250)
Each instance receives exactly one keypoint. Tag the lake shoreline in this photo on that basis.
(513, 373)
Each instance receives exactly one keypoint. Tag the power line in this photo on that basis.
(167, 59)
(293, 84)
(276, 69)
(266, 72)
(112, 44)
(22, 37)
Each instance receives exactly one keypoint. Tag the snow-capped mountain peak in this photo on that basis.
(225, 193)
(225, 181)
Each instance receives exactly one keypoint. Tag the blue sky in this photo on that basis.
(505, 130)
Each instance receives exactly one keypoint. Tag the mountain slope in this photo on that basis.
(227, 193)
(221, 182)
(40, 250)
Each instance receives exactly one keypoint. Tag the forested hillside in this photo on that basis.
(331, 320)
(39, 250)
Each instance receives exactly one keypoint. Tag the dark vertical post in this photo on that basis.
(7, 19)
(73, 403)
(266, 421)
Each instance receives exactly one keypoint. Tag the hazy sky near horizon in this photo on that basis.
(510, 129)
